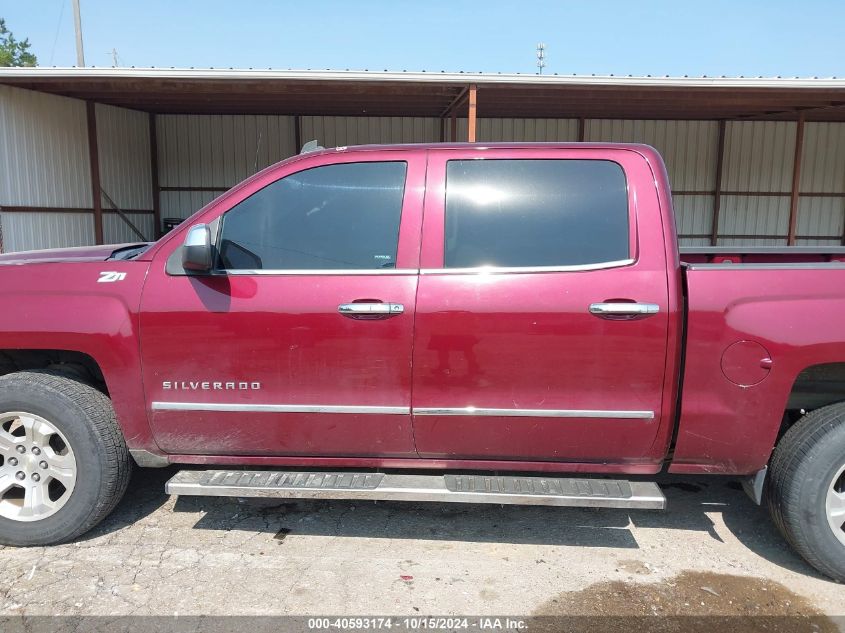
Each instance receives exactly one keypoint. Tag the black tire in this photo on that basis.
(86, 418)
(804, 463)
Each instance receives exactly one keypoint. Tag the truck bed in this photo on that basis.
(756, 319)
(762, 254)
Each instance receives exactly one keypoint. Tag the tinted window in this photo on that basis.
(535, 213)
(343, 216)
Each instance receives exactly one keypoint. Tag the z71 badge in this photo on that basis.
(110, 275)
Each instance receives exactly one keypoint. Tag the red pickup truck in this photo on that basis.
(427, 322)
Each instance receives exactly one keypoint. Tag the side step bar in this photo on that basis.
(543, 491)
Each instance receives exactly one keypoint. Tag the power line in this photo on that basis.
(58, 28)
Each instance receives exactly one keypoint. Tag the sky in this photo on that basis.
(638, 37)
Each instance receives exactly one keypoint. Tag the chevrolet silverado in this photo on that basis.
(504, 323)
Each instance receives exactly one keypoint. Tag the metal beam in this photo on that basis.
(30, 209)
(472, 106)
(582, 129)
(796, 181)
(94, 164)
(455, 102)
(220, 188)
(297, 133)
(717, 190)
(154, 177)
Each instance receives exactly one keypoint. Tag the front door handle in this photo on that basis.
(370, 310)
(623, 310)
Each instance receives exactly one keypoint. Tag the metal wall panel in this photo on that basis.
(516, 130)
(338, 131)
(219, 150)
(688, 147)
(694, 216)
(115, 230)
(758, 156)
(528, 130)
(123, 143)
(43, 151)
(821, 217)
(183, 204)
(754, 215)
(823, 158)
(31, 231)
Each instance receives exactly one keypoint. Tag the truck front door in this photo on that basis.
(541, 327)
(299, 343)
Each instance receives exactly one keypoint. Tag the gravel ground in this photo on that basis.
(711, 552)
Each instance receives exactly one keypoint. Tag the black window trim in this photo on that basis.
(298, 272)
(492, 270)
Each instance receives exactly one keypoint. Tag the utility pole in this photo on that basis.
(541, 57)
(77, 23)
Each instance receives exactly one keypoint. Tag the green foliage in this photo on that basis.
(13, 52)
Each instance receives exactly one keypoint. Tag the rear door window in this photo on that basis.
(535, 213)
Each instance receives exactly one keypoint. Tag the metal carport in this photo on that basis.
(757, 161)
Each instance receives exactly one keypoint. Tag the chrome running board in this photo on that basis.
(532, 490)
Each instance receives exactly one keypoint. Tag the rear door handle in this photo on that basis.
(370, 310)
(623, 310)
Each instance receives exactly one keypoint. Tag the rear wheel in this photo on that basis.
(63, 461)
(806, 489)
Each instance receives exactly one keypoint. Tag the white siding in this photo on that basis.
(516, 130)
(31, 231)
(758, 156)
(337, 131)
(43, 150)
(44, 163)
(820, 217)
(219, 150)
(495, 130)
(823, 158)
(123, 142)
(183, 204)
(215, 151)
(754, 215)
(822, 171)
(115, 230)
(688, 147)
(694, 216)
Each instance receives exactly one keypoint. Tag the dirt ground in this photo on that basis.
(712, 553)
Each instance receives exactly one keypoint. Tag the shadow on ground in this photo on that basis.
(690, 501)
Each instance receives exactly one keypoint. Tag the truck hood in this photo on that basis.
(77, 254)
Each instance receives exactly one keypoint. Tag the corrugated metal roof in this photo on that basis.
(424, 76)
(431, 94)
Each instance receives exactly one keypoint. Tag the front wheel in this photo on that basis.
(63, 461)
(806, 489)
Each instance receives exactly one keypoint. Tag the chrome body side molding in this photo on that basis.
(485, 270)
(319, 271)
(534, 413)
(376, 410)
(278, 408)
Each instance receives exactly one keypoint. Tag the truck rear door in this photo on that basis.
(541, 323)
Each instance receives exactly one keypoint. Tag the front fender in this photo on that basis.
(74, 307)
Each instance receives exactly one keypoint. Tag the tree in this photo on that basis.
(13, 52)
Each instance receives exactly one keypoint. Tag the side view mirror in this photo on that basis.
(196, 250)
